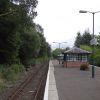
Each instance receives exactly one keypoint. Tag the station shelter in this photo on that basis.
(75, 57)
(60, 57)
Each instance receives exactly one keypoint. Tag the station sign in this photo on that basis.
(94, 41)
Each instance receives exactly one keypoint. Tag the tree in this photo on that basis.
(83, 39)
(28, 5)
(78, 40)
(43, 46)
(16, 16)
(86, 38)
(9, 37)
(84, 43)
(45, 49)
(19, 39)
(86, 47)
(67, 48)
(98, 39)
(30, 46)
(56, 52)
(39, 28)
(48, 50)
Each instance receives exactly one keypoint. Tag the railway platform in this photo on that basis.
(72, 84)
(51, 89)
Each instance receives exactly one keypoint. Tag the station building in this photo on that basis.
(75, 57)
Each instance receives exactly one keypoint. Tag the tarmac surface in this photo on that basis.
(73, 84)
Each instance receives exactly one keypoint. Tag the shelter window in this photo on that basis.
(69, 57)
(79, 57)
(84, 58)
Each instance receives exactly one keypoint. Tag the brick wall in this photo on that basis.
(71, 64)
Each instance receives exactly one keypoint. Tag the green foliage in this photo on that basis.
(9, 37)
(45, 49)
(30, 46)
(28, 5)
(98, 39)
(97, 60)
(84, 67)
(2, 83)
(43, 45)
(56, 52)
(20, 41)
(8, 74)
(42, 60)
(11, 72)
(48, 50)
(9, 42)
(39, 28)
(83, 39)
(4, 6)
(32, 61)
(86, 47)
(17, 68)
(86, 38)
(78, 40)
(96, 54)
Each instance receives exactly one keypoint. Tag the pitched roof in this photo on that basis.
(77, 50)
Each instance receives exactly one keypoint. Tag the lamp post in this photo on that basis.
(93, 38)
(59, 43)
(59, 46)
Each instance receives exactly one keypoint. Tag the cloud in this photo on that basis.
(61, 19)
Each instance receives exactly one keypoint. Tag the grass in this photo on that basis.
(41, 60)
(2, 83)
(10, 73)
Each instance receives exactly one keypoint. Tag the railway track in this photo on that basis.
(32, 88)
(41, 85)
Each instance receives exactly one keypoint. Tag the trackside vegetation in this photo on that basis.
(22, 42)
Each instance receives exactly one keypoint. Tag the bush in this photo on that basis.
(84, 67)
(97, 60)
(12, 72)
(32, 62)
(17, 68)
(8, 74)
(42, 60)
(2, 83)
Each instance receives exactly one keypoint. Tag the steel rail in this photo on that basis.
(40, 83)
(23, 85)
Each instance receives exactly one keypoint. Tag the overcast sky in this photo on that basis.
(61, 19)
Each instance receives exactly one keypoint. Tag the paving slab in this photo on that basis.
(73, 84)
(52, 94)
